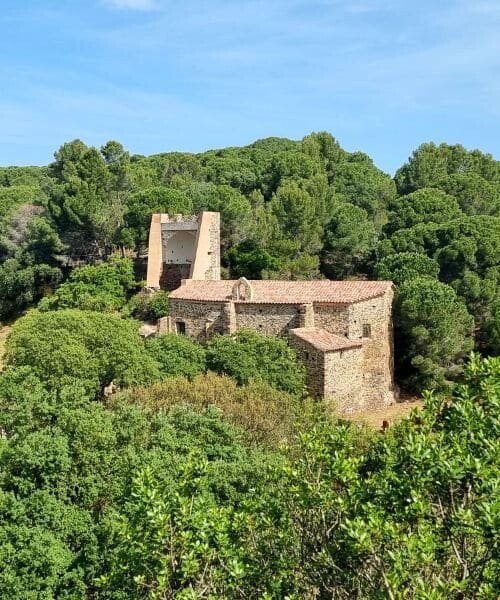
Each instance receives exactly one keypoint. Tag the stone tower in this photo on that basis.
(183, 247)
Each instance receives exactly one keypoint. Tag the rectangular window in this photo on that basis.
(367, 330)
(180, 327)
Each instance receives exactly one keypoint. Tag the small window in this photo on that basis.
(180, 327)
(367, 330)
(306, 354)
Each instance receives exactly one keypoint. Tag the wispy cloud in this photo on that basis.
(132, 4)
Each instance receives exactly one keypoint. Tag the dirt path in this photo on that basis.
(396, 411)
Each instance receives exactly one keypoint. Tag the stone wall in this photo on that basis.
(202, 319)
(377, 368)
(314, 362)
(306, 315)
(270, 319)
(206, 259)
(332, 317)
(353, 378)
(172, 275)
(343, 379)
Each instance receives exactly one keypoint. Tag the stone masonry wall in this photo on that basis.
(353, 378)
(343, 380)
(202, 319)
(172, 274)
(206, 259)
(271, 319)
(332, 317)
(377, 367)
(214, 270)
(314, 362)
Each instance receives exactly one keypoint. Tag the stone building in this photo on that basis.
(341, 330)
(182, 247)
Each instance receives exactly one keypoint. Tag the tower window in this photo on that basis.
(367, 330)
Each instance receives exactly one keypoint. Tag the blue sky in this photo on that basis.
(382, 75)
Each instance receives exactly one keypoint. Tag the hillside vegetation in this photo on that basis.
(165, 469)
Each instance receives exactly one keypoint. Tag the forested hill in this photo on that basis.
(290, 209)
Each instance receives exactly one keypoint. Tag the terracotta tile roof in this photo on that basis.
(284, 292)
(324, 340)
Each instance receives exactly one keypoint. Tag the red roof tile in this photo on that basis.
(284, 292)
(324, 340)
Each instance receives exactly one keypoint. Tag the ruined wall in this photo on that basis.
(343, 380)
(206, 255)
(271, 319)
(314, 362)
(332, 317)
(172, 275)
(377, 367)
(182, 247)
(155, 259)
(202, 319)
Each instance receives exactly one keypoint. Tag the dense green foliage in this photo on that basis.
(88, 348)
(434, 330)
(147, 305)
(67, 464)
(248, 355)
(414, 512)
(267, 416)
(103, 287)
(177, 355)
(183, 490)
(209, 475)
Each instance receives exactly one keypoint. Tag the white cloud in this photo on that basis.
(132, 4)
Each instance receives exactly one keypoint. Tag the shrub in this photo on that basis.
(80, 345)
(177, 355)
(148, 306)
(103, 287)
(267, 415)
(250, 355)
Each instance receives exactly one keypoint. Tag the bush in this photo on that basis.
(148, 306)
(73, 345)
(103, 287)
(177, 355)
(20, 286)
(267, 415)
(66, 469)
(249, 355)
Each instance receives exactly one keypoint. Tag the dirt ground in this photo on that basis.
(392, 413)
